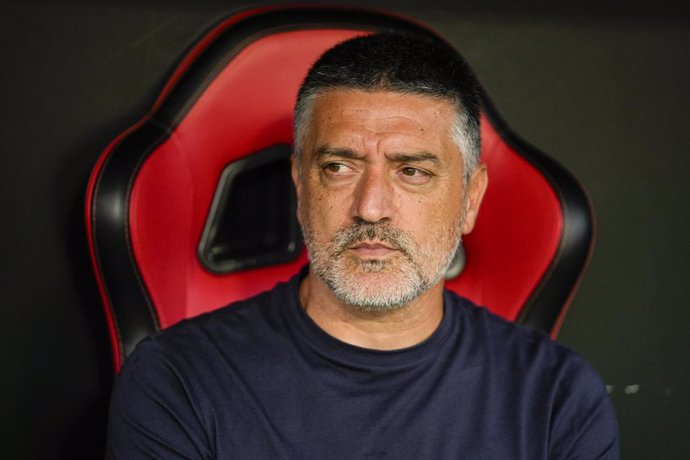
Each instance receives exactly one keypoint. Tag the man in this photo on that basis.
(363, 354)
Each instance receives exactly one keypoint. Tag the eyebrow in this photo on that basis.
(414, 157)
(326, 151)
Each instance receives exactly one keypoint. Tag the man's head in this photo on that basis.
(402, 64)
(386, 167)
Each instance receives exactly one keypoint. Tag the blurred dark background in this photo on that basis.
(602, 87)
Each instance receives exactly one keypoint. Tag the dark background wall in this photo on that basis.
(603, 88)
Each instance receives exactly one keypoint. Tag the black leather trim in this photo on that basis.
(547, 300)
(130, 304)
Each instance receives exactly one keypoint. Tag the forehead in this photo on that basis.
(383, 118)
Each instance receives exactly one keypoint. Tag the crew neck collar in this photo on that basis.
(332, 348)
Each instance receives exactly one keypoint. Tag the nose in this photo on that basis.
(374, 197)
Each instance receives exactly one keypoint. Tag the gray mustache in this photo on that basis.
(361, 231)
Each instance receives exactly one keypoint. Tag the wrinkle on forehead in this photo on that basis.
(393, 108)
(382, 119)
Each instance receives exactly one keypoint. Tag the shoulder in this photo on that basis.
(202, 348)
(183, 369)
(239, 322)
(522, 353)
(508, 341)
(533, 367)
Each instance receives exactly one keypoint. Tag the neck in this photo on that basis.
(401, 328)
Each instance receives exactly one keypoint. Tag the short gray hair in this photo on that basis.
(399, 63)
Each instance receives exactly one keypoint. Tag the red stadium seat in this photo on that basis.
(192, 208)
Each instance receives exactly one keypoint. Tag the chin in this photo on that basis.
(375, 286)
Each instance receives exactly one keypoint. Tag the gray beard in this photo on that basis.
(403, 276)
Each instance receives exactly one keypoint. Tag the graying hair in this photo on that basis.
(400, 63)
(464, 131)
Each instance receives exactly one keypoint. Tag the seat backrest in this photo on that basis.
(192, 208)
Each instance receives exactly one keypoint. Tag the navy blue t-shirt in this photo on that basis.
(260, 380)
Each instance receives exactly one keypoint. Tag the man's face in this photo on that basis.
(381, 197)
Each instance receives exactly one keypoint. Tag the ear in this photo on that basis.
(294, 172)
(474, 196)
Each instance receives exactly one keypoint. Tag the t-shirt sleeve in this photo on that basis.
(153, 413)
(584, 425)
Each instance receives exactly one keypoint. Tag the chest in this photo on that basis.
(336, 412)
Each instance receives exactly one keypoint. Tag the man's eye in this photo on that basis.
(414, 172)
(415, 175)
(335, 168)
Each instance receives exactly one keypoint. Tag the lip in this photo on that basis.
(372, 250)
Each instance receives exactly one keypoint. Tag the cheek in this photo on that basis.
(328, 201)
(435, 220)
(321, 211)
